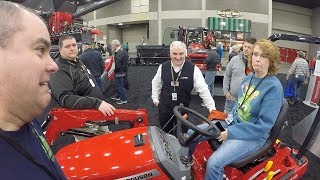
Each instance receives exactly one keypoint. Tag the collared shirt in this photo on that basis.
(299, 67)
(118, 49)
(199, 85)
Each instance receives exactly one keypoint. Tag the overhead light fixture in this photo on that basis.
(241, 25)
(120, 24)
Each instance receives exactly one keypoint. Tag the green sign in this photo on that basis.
(229, 24)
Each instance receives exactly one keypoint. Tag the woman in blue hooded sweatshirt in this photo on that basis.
(259, 102)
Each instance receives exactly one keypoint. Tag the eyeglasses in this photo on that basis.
(262, 55)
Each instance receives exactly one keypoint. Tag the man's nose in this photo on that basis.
(52, 66)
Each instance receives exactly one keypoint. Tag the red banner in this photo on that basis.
(316, 91)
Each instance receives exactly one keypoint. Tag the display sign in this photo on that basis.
(313, 92)
(316, 91)
(229, 24)
(229, 13)
(317, 68)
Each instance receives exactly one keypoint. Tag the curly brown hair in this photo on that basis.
(272, 52)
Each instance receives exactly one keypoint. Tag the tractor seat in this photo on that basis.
(275, 132)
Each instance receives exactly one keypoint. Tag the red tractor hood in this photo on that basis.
(109, 156)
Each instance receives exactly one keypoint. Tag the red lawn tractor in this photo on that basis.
(123, 146)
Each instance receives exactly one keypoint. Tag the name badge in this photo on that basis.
(229, 119)
(174, 96)
(174, 83)
(92, 83)
(88, 71)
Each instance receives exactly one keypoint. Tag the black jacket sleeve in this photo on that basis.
(62, 90)
(121, 59)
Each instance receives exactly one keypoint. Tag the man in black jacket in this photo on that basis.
(211, 61)
(121, 59)
(94, 62)
(73, 86)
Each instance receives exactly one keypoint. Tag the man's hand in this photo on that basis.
(106, 108)
(305, 81)
(228, 96)
(287, 78)
(214, 114)
(223, 136)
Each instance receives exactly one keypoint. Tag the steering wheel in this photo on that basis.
(212, 131)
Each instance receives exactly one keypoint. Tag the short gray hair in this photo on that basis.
(235, 48)
(115, 42)
(301, 54)
(177, 44)
(10, 22)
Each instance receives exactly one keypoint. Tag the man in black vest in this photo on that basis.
(173, 83)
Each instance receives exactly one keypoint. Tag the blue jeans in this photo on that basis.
(228, 106)
(297, 85)
(210, 78)
(230, 151)
(121, 91)
(192, 146)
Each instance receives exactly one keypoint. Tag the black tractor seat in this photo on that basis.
(275, 132)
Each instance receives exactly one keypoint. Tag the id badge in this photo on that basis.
(92, 83)
(174, 96)
(229, 119)
(174, 83)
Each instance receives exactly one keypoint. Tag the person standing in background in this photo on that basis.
(173, 83)
(121, 61)
(312, 64)
(299, 73)
(211, 61)
(234, 51)
(219, 49)
(126, 47)
(92, 59)
(235, 72)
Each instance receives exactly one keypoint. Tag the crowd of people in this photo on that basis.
(253, 93)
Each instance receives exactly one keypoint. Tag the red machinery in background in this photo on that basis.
(66, 20)
(198, 42)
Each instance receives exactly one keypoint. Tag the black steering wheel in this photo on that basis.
(212, 131)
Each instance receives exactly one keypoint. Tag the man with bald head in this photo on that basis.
(25, 71)
(173, 83)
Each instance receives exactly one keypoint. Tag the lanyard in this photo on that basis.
(84, 69)
(247, 97)
(25, 153)
(175, 82)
